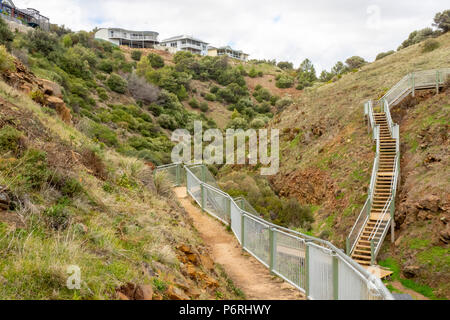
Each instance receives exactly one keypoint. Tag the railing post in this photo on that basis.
(372, 252)
(242, 229)
(272, 249)
(203, 173)
(335, 277)
(202, 189)
(229, 207)
(307, 269)
(178, 175)
(413, 84)
(437, 82)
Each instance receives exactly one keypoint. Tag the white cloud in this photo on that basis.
(323, 30)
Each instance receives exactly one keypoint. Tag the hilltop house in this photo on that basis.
(186, 43)
(132, 39)
(235, 54)
(29, 16)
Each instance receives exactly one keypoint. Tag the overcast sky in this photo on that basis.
(323, 30)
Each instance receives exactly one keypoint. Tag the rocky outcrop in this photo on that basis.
(131, 291)
(44, 92)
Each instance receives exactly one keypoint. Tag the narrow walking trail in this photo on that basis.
(246, 272)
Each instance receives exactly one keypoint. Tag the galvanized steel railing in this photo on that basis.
(407, 85)
(314, 266)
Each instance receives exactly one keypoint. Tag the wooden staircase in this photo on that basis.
(383, 191)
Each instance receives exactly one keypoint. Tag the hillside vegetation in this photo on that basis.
(327, 157)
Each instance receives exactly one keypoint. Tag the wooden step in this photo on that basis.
(361, 257)
(364, 263)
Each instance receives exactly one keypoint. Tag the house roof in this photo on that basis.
(130, 31)
(183, 37)
(8, 2)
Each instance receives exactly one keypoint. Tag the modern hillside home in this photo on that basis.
(132, 39)
(186, 43)
(30, 17)
(227, 50)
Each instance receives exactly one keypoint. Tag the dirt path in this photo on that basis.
(246, 272)
(416, 296)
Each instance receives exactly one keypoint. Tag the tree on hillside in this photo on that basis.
(306, 74)
(442, 20)
(338, 69)
(325, 76)
(6, 36)
(355, 62)
(285, 65)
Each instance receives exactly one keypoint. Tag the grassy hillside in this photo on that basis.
(327, 154)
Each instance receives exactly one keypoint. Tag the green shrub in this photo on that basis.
(102, 93)
(6, 36)
(6, 60)
(117, 83)
(284, 81)
(430, 45)
(381, 55)
(155, 60)
(10, 140)
(355, 62)
(106, 65)
(194, 103)
(38, 96)
(204, 107)
(238, 123)
(33, 172)
(136, 55)
(210, 97)
(214, 89)
(167, 122)
(102, 133)
(42, 41)
(253, 73)
(283, 103)
(58, 216)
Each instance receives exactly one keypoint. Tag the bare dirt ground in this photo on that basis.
(416, 296)
(246, 272)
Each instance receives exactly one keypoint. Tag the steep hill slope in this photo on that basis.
(66, 200)
(327, 155)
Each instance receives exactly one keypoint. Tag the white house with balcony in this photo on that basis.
(227, 50)
(186, 43)
(132, 39)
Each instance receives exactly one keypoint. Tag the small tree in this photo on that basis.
(117, 84)
(355, 62)
(155, 60)
(204, 106)
(6, 36)
(306, 74)
(136, 55)
(285, 65)
(442, 20)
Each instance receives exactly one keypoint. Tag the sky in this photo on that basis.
(325, 31)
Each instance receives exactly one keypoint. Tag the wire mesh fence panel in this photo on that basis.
(236, 220)
(170, 172)
(193, 187)
(246, 206)
(256, 239)
(320, 273)
(352, 285)
(290, 259)
(399, 90)
(202, 173)
(216, 203)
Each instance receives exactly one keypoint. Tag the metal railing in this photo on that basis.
(407, 85)
(312, 265)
